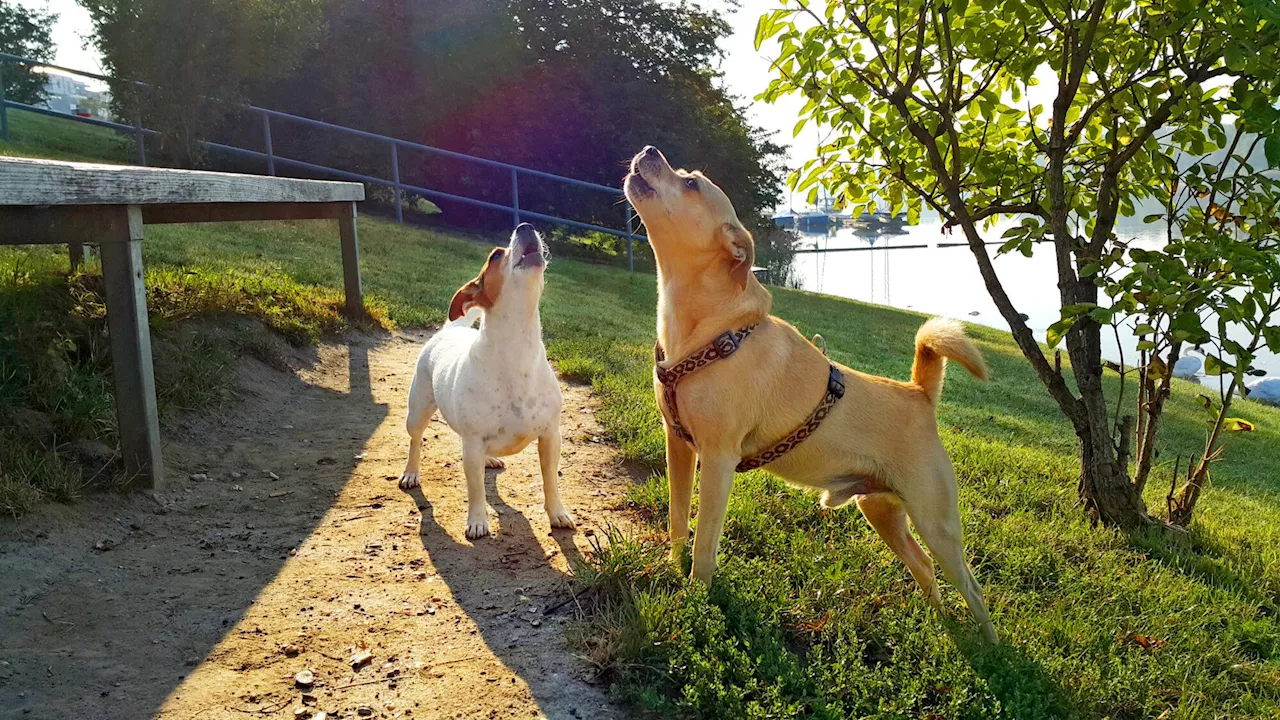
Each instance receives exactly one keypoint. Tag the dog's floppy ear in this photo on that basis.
(482, 291)
(741, 250)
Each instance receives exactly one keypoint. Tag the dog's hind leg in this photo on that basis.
(885, 513)
(422, 405)
(931, 501)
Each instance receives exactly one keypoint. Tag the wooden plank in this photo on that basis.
(75, 250)
(59, 225)
(351, 261)
(26, 181)
(241, 212)
(135, 386)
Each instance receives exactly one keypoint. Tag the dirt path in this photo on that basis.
(282, 544)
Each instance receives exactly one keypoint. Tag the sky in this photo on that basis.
(69, 33)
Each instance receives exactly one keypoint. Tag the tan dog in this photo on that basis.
(879, 446)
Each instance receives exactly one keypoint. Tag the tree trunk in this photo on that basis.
(1105, 489)
(1108, 494)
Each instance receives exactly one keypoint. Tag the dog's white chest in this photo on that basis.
(507, 411)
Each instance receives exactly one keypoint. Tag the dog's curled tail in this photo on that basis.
(937, 340)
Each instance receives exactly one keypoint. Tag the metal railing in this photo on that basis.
(393, 145)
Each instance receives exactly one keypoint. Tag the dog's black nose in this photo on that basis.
(525, 231)
(649, 151)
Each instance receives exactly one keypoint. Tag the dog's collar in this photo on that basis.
(720, 348)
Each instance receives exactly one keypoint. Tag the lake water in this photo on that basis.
(935, 280)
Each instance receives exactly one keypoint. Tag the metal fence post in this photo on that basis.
(631, 260)
(137, 128)
(266, 135)
(395, 178)
(515, 197)
(4, 109)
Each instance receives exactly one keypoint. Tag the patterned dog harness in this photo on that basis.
(720, 348)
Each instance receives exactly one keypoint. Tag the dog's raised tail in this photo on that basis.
(937, 340)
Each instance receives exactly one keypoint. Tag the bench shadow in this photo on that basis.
(121, 597)
(492, 580)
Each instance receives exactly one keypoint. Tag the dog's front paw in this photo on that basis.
(477, 528)
(494, 463)
(409, 480)
(560, 517)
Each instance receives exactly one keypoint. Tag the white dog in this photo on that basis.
(493, 386)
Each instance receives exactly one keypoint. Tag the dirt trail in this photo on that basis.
(283, 544)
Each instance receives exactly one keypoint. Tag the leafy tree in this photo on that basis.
(25, 33)
(1215, 284)
(192, 50)
(931, 105)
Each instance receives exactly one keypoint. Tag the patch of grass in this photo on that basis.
(810, 614)
(55, 368)
(40, 136)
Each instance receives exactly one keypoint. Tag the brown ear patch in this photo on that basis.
(483, 290)
(741, 249)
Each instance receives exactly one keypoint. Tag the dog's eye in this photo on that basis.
(691, 183)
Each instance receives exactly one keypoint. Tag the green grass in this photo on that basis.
(41, 136)
(55, 367)
(810, 614)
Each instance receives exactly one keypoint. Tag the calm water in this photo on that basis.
(945, 280)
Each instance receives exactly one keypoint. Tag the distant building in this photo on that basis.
(66, 94)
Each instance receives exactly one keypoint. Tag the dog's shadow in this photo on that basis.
(508, 585)
(1023, 686)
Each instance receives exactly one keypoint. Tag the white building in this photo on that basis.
(66, 94)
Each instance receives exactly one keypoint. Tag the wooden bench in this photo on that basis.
(48, 202)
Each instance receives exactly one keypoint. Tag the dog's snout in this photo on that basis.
(526, 233)
(649, 157)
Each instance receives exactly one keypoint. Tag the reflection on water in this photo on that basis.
(925, 269)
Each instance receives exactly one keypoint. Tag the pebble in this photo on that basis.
(199, 477)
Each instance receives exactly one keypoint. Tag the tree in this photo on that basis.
(1215, 284)
(199, 57)
(565, 86)
(25, 33)
(932, 103)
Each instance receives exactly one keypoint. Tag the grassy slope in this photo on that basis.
(34, 135)
(811, 615)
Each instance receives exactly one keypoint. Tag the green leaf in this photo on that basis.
(1143, 329)
(1271, 149)
(1214, 366)
(1207, 404)
(1057, 331)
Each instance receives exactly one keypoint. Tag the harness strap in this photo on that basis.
(722, 347)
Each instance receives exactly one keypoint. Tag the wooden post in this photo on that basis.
(135, 384)
(351, 261)
(395, 179)
(266, 139)
(75, 249)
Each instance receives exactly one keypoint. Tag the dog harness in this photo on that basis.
(720, 348)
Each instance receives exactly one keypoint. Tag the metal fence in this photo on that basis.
(393, 147)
